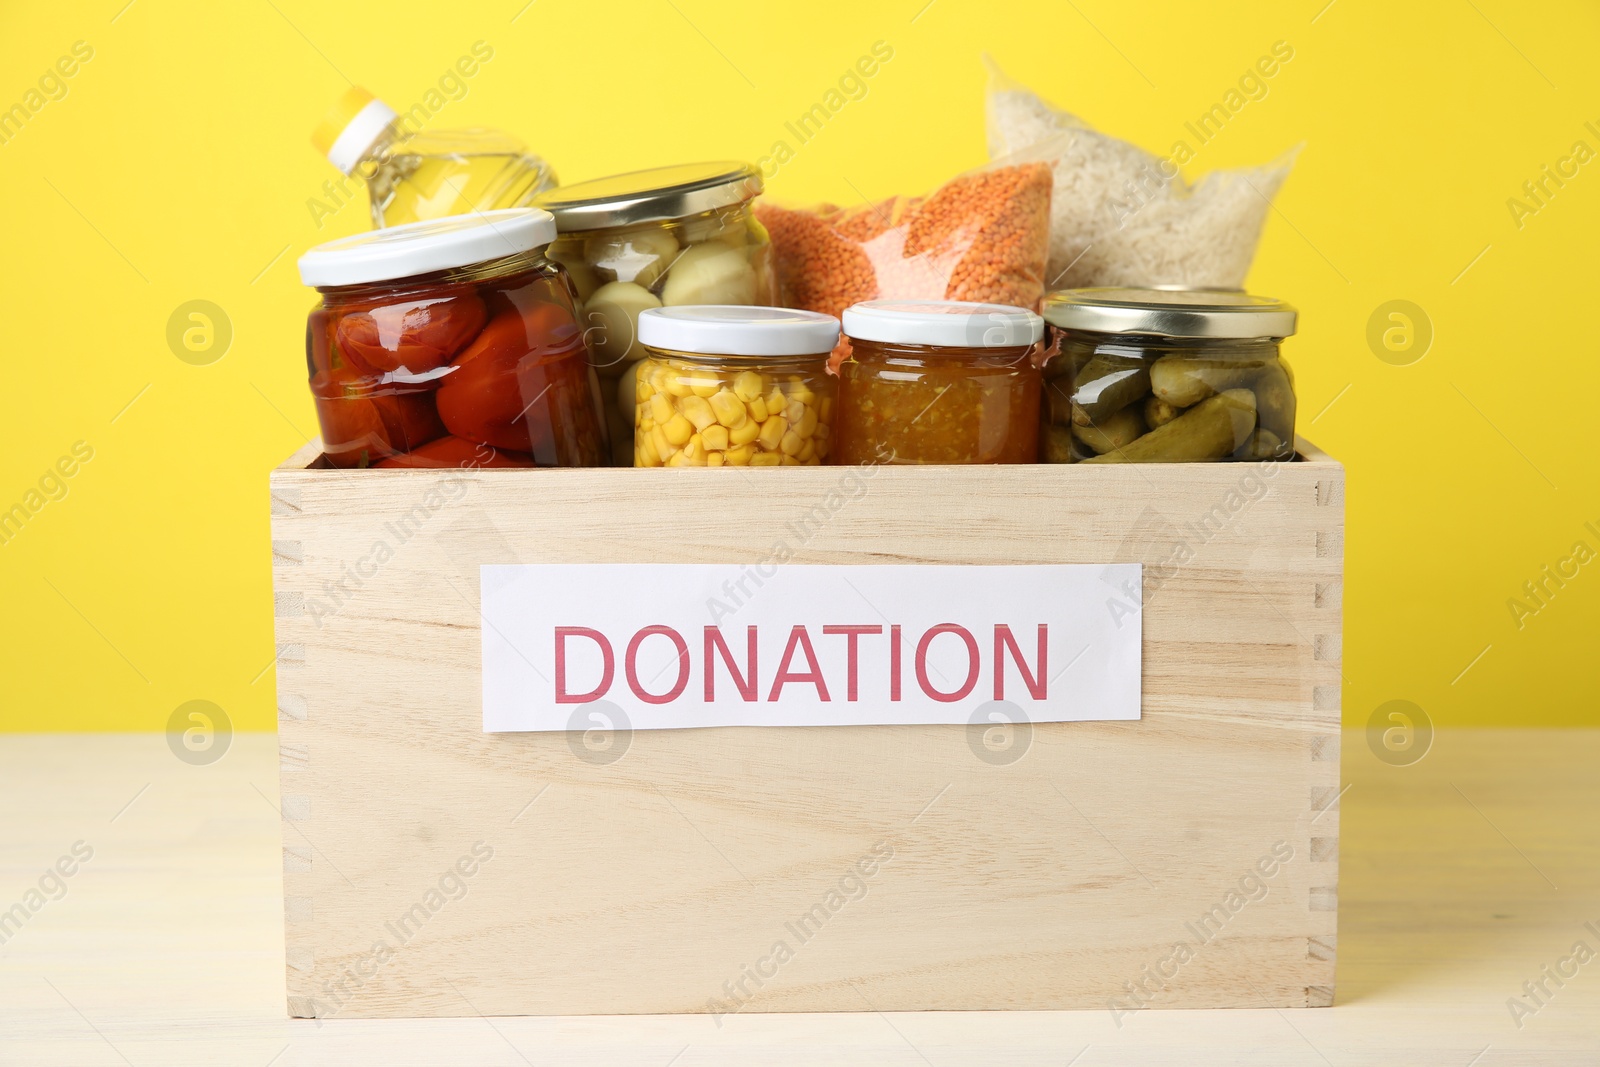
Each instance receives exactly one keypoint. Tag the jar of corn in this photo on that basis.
(734, 386)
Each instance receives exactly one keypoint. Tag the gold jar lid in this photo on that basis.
(658, 195)
(1219, 313)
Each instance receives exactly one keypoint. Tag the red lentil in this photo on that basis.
(983, 236)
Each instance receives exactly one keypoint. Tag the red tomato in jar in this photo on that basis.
(416, 335)
(358, 431)
(482, 398)
(352, 433)
(460, 453)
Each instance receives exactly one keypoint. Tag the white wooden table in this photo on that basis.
(1462, 877)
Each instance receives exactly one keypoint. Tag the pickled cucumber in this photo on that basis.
(1106, 386)
(1275, 403)
(1264, 444)
(1158, 412)
(1182, 380)
(1058, 400)
(1057, 445)
(1210, 430)
(1115, 432)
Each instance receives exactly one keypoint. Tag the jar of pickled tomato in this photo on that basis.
(939, 381)
(451, 343)
(732, 386)
(666, 237)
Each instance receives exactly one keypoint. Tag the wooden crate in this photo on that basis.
(664, 881)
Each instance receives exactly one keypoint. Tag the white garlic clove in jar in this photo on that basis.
(638, 256)
(611, 324)
(710, 273)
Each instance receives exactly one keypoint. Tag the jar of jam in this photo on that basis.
(939, 381)
(1167, 376)
(666, 237)
(450, 343)
(732, 386)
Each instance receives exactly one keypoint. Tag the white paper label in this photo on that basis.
(686, 645)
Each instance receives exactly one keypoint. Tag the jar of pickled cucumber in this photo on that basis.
(1167, 376)
(730, 386)
(939, 381)
(666, 237)
(450, 343)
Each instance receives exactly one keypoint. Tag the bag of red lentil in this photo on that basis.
(982, 236)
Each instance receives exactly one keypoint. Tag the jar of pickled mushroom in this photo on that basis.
(1167, 376)
(451, 343)
(939, 381)
(668, 237)
(730, 386)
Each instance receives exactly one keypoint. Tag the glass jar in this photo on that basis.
(669, 237)
(732, 386)
(1167, 376)
(450, 343)
(413, 174)
(939, 381)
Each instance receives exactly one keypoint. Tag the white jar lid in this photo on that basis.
(426, 247)
(733, 330)
(942, 323)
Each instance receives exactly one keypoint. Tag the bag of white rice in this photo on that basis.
(1122, 216)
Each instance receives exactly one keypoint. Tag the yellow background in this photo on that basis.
(177, 167)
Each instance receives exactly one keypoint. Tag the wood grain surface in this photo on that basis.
(1461, 877)
(676, 877)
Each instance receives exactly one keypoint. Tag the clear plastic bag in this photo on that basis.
(1123, 217)
(982, 236)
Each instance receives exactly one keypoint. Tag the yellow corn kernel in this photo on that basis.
(646, 424)
(791, 444)
(739, 457)
(814, 461)
(772, 432)
(642, 389)
(776, 401)
(678, 430)
(794, 412)
(657, 375)
(678, 387)
(674, 460)
(766, 459)
(807, 452)
(715, 437)
(807, 426)
(822, 449)
(697, 411)
(713, 459)
(704, 387)
(743, 435)
(664, 448)
(697, 459)
(661, 407)
(790, 461)
(728, 408)
(758, 409)
(823, 430)
(802, 392)
(695, 447)
(748, 386)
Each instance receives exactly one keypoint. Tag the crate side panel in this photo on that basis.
(1047, 882)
